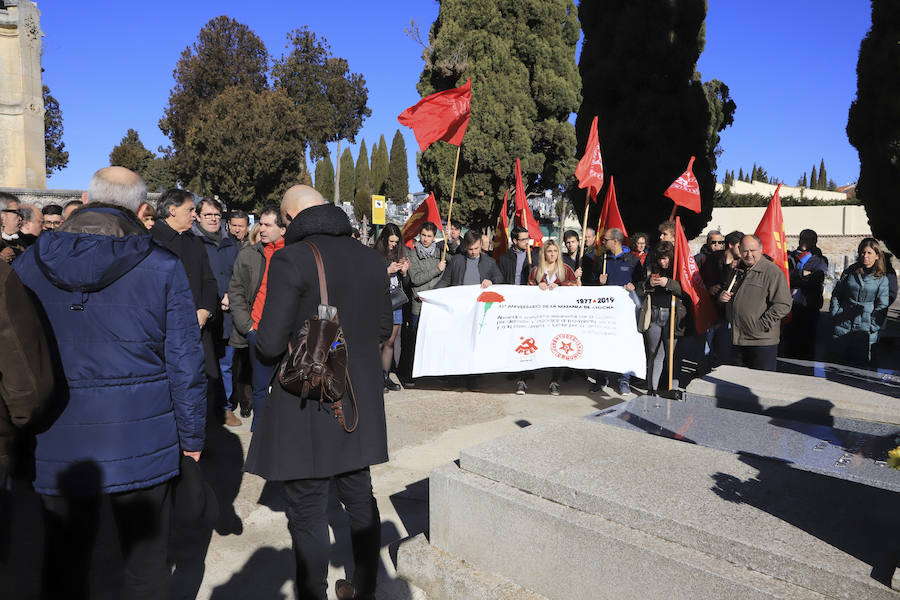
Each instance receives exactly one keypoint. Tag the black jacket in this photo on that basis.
(456, 271)
(296, 438)
(507, 266)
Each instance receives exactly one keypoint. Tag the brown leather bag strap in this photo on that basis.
(323, 285)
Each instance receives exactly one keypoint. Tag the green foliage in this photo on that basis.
(726, 198)
(325, 177)
(638, 65)
(397, 185)
(226, 53)
(874, 124)
(813, 179)
(247, 146)
(55, 155)
(333, 99)
(132, 154)
(347, 177)
(362, 166)
(823, 177)
(380, 166)
(740, 174)
(520, 55)
(802, 181)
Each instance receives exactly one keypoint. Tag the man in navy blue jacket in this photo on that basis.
(132, 393)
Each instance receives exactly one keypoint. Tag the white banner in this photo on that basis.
(466, 329)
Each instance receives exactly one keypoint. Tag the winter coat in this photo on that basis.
(807, 290)
(859, 303)
(454, 249)
(246, 279)
(662, 296)
(456, 271)
(297, 438)
(507, 266)
(423, 273)
(586, 263)
(758, 305)
(620, 270)
(189, 249)
(568, 277)
(121, 312)
(221, 260)
(26, 373)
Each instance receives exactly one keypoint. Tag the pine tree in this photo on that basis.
(813, 179)
(348, 177)
(740, 174)
(55, 155)
(325, 177)
(397, 186)
(823, 177)
(380, 166)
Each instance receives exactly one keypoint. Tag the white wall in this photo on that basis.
(825, 220)
(767, 189)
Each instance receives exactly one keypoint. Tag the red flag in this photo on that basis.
(590, 168)
(609, 214)
(685, 191)
(524, 216)
(770, 232)
(427, 211)
(440, 116)
(501, 234)
(688, 275)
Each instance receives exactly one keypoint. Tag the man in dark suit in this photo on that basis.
(297, 440)
(472, 268)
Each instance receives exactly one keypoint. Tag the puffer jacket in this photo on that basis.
(859, 303)
(121, 312)
(221, 260)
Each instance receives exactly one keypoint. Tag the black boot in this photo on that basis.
(389, 385)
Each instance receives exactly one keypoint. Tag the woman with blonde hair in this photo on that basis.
(550, 273)
(859, 304)
(146, 214)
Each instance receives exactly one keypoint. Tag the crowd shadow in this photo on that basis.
(262, 577)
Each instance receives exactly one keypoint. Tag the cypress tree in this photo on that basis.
(348, 176)
(362, 199)
(874, 124)
(380, 166)
(397, 186)
(823, 177)
(638, 67)
(740, 174)
(813, 179)
(325, 177)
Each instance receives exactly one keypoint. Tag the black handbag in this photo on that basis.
(398, 297)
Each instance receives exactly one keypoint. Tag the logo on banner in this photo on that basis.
(527, 348)
(566, 346)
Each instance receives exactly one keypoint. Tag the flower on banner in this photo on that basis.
(488, 298)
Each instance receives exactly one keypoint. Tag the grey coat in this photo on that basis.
(245, 281)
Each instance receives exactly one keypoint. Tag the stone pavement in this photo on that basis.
(248, 555)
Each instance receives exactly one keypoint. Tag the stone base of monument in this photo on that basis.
(587, 509)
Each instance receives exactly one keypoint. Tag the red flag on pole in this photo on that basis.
(590, 168)
(440, 116)
(427, 211)
(770, 232)
(524, 216)
(685, 191)
(688, 275)
(501, 234)
(609, 214)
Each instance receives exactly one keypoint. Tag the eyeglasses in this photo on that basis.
(212, 216)
(717, 243)
(522, 239)
(606, 239)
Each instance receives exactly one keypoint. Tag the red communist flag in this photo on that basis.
(609, 214)
(524, 216)
(590, 168)
(688, 275)
(685, 191)
(427, 211)
(501, 234)
(440, 116)
(770, 232)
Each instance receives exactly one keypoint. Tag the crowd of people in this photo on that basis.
(129, 325)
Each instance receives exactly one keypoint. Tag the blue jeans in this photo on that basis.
(260, 377)
(225, 363)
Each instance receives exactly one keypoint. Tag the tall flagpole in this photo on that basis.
(587, 205)
(450, 211)
(672, 316)
(525, 222)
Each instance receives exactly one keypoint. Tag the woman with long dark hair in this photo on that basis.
(397, 263)
(660, 287)
(859, 304)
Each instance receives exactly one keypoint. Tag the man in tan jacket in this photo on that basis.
(755, 308)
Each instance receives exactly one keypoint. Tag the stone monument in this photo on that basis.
(22, 162)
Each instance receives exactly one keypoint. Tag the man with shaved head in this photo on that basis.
(755, 306)
(297, 199)
(133, 403)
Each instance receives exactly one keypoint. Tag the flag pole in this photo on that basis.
(450, 211)
(525, 222)
(672, 316)
(672, 216)
(587, 206)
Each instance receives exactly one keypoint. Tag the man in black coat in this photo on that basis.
(472, 268)
(514, 265)
(297, 440)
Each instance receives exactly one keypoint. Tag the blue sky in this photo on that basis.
(790, 65)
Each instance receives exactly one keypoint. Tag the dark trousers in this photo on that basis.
(261, 377)
(762, 358)
(142, 520)
(800, 334)
(308, 524)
